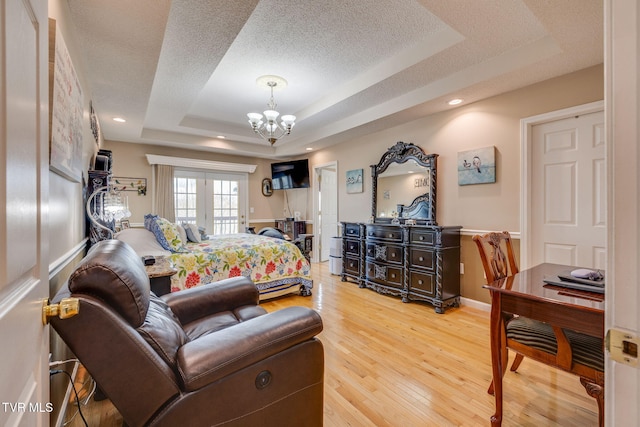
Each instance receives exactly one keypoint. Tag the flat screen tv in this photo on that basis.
(292, 174)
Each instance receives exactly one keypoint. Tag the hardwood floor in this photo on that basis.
(394, 364)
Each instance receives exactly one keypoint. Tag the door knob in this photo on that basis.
(68, 307)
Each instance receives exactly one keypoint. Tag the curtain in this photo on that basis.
(164, 200)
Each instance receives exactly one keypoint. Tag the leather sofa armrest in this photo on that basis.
(225, 295)
(214, 356)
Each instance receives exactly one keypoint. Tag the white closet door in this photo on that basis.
(569, 192)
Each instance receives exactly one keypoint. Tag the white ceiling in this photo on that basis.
(183, 72)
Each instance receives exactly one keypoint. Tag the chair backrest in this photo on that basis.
(492, 247)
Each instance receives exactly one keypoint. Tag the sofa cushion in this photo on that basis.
(112, 272)
(162, 330)
(218, 321)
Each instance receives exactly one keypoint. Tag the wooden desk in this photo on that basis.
(527, 295)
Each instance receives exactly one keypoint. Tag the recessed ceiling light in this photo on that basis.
(455, 101)
(119, 119)
(309, 149)
(221, 137)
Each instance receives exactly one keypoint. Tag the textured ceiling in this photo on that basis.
(183, 72)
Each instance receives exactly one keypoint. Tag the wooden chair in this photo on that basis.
(564, 349)
(492, 247)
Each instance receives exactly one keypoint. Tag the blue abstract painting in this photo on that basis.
(354, 181)
(477, 166)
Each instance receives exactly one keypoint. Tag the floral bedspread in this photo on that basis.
(267, 261)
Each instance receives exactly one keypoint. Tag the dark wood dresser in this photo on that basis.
(414, 262)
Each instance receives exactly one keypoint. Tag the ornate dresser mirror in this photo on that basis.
(404, 186)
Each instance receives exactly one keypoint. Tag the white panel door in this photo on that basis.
(24, 376)
(328, 214)
(568, 192)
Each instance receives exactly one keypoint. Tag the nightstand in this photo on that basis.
(160, 275)
(305, 243)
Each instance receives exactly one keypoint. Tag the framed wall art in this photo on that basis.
(65, 109)
(95, 124)
(477, 166)
(138, 185)
(354, 181)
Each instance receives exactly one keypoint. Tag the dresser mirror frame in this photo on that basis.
(422, 209)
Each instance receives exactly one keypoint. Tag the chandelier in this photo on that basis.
(106, 206)
(269, 129)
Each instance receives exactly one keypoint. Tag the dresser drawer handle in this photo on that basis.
(393, 255)
(420, 282)
(391, 235)
(420, 259)
(393, 276)
(351, 264)
(421, 238)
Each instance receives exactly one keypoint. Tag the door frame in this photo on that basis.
(316, 205)
(526, 157)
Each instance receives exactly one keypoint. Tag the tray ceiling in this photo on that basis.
(183, 72)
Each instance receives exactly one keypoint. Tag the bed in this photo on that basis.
(276, 266)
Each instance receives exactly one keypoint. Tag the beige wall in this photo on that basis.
(491, 122)
(66, 204)
(130, 160)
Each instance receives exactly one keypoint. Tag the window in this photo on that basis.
(185, 199)
(214, 200)
(225, 206)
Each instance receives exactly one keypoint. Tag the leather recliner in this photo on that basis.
(205, 356)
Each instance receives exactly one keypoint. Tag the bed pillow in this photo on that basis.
(193, 234)
(170, 234)
(182, 233)
(154, 227)
(148, 218)
(203, 233)
(142, 241)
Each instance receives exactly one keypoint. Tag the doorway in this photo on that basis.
(325, 203)
(563, 205)
(215, 200)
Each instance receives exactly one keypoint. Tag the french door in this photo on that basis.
(216, 201)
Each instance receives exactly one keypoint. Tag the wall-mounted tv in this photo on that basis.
(292, 174)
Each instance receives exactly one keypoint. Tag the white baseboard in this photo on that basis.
(475, 304)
